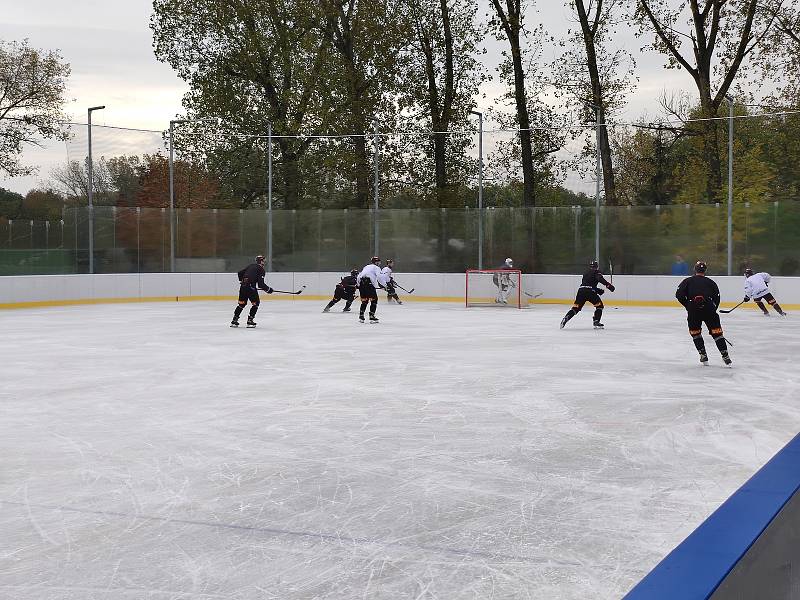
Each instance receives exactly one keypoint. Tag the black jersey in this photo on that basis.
(698, 292)
(349, 282)
(592, 278)
(348, 286)
(253, 276)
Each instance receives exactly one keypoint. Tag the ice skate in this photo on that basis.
(598, 325)
(373, 319)
(326, 309)
(251, 323)
(703, 358)
(345, 310)
(726, 358)
(563, 323)
(361, 318)
(235, 323)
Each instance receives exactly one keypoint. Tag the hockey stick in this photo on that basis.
(532, 295)
(725, 312)
(300, 291)
(611, 270)
(411, 291)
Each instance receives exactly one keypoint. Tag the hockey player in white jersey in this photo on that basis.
(504, 282)
(756, 287)
(391, 292)
(369, 280)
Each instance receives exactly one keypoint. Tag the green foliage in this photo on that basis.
(32, 93)
(10, 204)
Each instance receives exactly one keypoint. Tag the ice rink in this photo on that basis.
(150, 452)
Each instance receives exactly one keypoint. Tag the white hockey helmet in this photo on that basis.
(509, 262)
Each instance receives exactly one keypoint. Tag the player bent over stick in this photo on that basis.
(699, 295)
(755, 287)
(369, 280)
(251, 279)
(589, 292)
(346, 289)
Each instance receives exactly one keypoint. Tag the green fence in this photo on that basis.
(639, 240)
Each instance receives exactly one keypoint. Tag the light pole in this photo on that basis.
(91, 185)
(480, 186)
(269, 197)
(377, 183)
(172, 124)
(730, 183)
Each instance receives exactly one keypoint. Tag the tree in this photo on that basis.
(72, 180)
(44, 204)
(194, 187)
(367, 36)
(442, 81)
(508, 20)
(595, 75)
(10, 204)
(722, 34)
(32, 87)
(252, 63)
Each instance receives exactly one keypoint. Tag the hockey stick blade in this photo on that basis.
(529, 295)
(411, 291)
(300, 291)
(725, 312)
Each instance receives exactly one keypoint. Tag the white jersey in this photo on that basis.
(373, 273)
(755, 286)
(386, 272)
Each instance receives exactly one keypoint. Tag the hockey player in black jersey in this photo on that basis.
(589, 292)
(699, 295)
(345, 289)
(251, 279)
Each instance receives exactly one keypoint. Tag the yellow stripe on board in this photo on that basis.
(318, 298)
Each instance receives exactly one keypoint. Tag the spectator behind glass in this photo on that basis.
(679, 267)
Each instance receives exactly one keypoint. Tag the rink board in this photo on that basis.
(749, 547)
(631, 290)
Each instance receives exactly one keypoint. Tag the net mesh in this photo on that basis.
(494, 287)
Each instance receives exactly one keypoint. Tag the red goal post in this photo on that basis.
(493, 287)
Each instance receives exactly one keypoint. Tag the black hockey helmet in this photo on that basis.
(593, 264)
(389, 261)
(748, 271)
(376, 260)
(354, 272)
(260, 260)
(700, 267)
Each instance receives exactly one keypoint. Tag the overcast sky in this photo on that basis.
(109, 47)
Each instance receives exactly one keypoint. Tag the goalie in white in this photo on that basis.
(504, 282)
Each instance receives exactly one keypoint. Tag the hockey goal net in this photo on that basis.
(494, 287)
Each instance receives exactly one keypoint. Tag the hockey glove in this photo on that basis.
(611, 287)
(269, 290)
(746, 299)
(600, 292)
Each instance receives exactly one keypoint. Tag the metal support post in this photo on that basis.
(730, 184)
(90, 168)
(269, 197)
(480, 186)
(377, 184)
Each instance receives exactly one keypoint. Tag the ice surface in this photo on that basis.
(151, 452)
